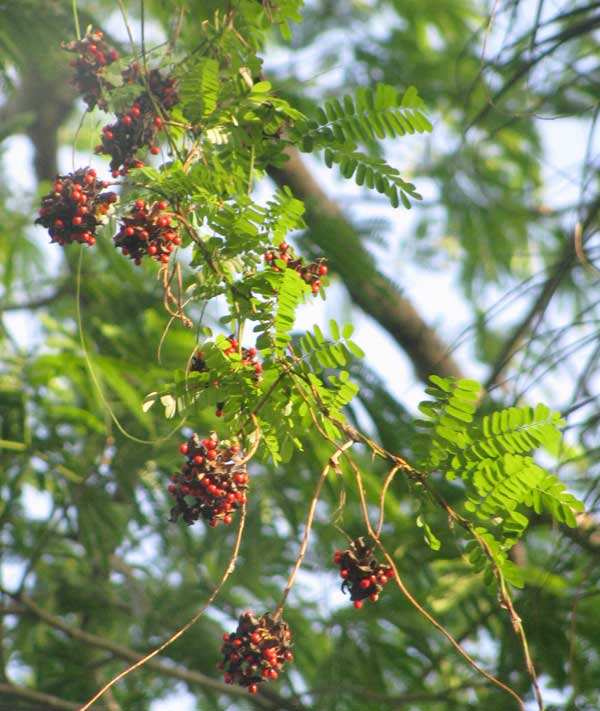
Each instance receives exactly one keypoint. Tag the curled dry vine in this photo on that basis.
(224, 127)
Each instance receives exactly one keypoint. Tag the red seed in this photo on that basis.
(184, 448)
(358, 604)
(253, 688)
(323, 270)
(344, 572)
(155, 150)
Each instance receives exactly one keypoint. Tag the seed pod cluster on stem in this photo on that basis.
(148, 230)
(75, 207)
(363, 575)
(138, 127)
(212, 484)
(94, 54)
(256, 652)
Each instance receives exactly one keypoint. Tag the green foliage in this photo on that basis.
(370, 116)
(199, 90)
(95, 549)
(493, 459)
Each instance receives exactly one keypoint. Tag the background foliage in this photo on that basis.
(93, 575)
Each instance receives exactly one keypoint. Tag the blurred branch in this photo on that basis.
(373, 292)
(266, 699)
(37, 303)
(583, 28)
(537, 309)
(49, 702)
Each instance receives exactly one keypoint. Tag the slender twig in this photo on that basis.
(88, 361)
(251, 170)
(182, 630)
(459, 648)
(384, 488)
(76, 19)
(331, 463)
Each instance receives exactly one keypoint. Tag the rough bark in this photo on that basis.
(373, 292)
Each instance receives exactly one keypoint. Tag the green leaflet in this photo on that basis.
(199, 90)
(493, 458)
(369, 116)
(323, 353)
(291, 291)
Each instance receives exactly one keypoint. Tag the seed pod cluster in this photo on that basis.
(364, 576)
(94, 54)
(311, 273)
(148, 229)
(74, 208)
(257, 651)
(211, 484)
(137, 128)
